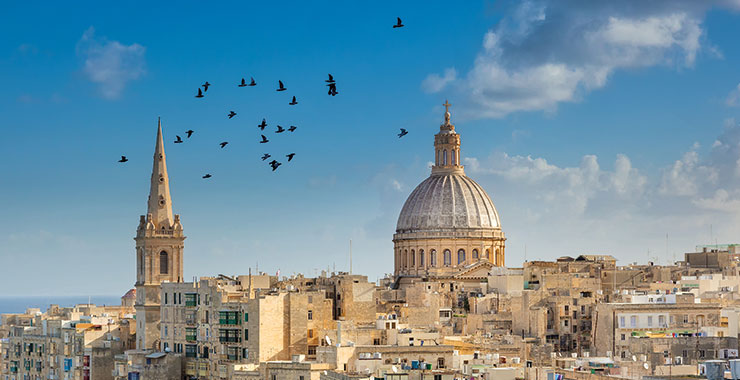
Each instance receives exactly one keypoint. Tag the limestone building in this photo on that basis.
(159, 245)
(448, 224)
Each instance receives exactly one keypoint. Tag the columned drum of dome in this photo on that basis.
(448, 223)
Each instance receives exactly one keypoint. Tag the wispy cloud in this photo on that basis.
(110, 64)
(733, 98)
(546, 52)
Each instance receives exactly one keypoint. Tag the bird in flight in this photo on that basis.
(189, 132)
(266, 156)
(274, 165)
(282, 87)
(332, 89)
(223, 144)
(123, 159)
(262, 125)
(200, 93)
(290, 156)
(178, 139)
(294, 102)
(205, 86)
(232, 114)
(207, 176)
(399, 24)
(280, 129)
(403, 133)
(264, 139)
(292, 128)
(330, 80)
(252, 83)
(243, 84)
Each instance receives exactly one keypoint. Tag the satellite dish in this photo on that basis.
(634, 358)
(395, 370)
(328, 341)
(646, 365)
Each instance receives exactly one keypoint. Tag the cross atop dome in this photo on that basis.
(447, 112)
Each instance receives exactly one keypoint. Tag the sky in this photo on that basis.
(595, 126)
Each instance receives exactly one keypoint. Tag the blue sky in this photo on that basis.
(596, 127)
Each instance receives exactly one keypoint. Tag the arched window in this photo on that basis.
(433, 258)
(141, 261)
(487, 254)
(452, 157)
(460, 256)
(475, 254)
(421, 258)
(163, 263)
(436, 161)
(413, 258)
(404, 261)
(447, 257)
(444, 157)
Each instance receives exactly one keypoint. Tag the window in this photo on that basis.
(452, 159)
(312, 350)
(165, 331)
(650, 321)
(204, 355)
(246, 334)
(191, 351)
(310, 315)
(486, 254)
(413, 258)
(444, 157)
(246, 315)
(163, 262)
(229, 318)
(436, 161)
(685, 318)
(633, 321)
(661, 321)
(475, 254)
(447, 257)
(461, 256)
(421, 258)
(621, 322)
(623, 337)
(310, 333)
(165, 298)
(245, 353)
(433, 258)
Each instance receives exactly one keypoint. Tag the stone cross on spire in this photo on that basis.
(447, 111)
(160, 203)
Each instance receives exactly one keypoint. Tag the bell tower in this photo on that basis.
(159, 245)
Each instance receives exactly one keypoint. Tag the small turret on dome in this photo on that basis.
(447, 147)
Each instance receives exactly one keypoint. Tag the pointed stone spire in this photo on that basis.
(160, 203)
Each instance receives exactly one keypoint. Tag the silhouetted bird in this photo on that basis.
(280, 129)
(232, 114)
(294, 102)
(281, 88)
(332, 89)
(330, 80)
(178, 139)
(207, 176)
(264, 139)
(266, 156)
(403, 133)
(399, 24)
(223, 144)
(262, 125)
(243, 84)
(274, 165)
(189, 132)
(123, 159)
(252, 83)
(292, 128)
(290, 156)
(205, 86)
(200, 93)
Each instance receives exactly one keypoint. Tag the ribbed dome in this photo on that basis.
(445, 202)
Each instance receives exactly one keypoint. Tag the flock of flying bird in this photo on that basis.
(274, 164)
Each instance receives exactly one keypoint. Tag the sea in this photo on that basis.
(19, 304)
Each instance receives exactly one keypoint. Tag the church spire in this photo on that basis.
(447, 148)
(160, 204)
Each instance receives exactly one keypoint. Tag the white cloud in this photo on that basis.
(435, 83)
(547, 52)
(733, 97)
(110, 64)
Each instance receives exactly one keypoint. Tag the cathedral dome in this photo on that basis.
(448, 201)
